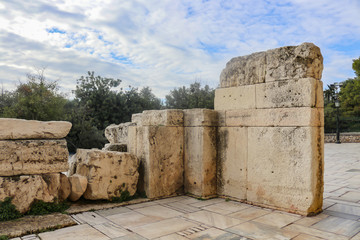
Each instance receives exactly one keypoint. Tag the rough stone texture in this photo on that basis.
(242, 97)
(200, 117)
(117, 147)
(136, 118)
(292, 62)
(232, 162)
(200, 161)
(291, 93)
(72, 165)
(344, 137)
(12, 129)
(33, 157)
(275, 117)
(108, 173)
(117, 133)
(160, 150)
(35, 224)
(246, 70)
(78, 186)
(285, 168)
(169, 117)
(65, 187)
(25, 189)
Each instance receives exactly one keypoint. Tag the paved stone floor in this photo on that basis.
(184, 217)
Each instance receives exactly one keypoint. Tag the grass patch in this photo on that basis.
(4, 237)
(8, 210)
(42, 208)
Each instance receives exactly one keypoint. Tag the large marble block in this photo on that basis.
(305, 92)
(168, 117)
(12, 129)
(160, 150)
(33, 157)
(232, 162)
(276, 117)
(285, 168)
(242, 97)
(200, 152)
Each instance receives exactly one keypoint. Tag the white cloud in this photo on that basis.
(167, 44)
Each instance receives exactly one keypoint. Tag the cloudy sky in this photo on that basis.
(167, 43)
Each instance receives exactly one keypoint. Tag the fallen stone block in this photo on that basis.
(65, 187)
(242, 97)
(25, 189)
(117, 133)
(78, 185)
(33, 157)
(108, 173)
(136, 118)
(13, 129)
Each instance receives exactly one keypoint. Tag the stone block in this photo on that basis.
(294, 62)
(25, 189)
(200, 161)
(232, 162)
(13, 129)
(275, 117)
(200, 117)
(291, 93)
(33, 157)
(136, 118)
(245, 70)
(222, 118)
(116, 147)
(65, 187)
(285, 168)
(168, 117)
(108, 173)
(118, 133)
(78, 185)
(161, 154)
(242, 97)
(285, 63)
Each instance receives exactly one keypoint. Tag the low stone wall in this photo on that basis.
(32, 156)
(344, 137)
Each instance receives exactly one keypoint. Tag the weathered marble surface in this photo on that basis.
(11, 129)
(33, 157)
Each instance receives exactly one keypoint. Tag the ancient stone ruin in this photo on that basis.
(263, 144)
(32, 156)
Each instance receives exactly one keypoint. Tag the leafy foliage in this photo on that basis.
(349, 96)
(8, 211)
(37, 99)
(42, 208)
(191, 97)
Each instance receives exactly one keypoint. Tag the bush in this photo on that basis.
(42, 208)
(8, 211)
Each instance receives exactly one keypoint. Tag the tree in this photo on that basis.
(191, 97)
(37, 99)
(356, 67)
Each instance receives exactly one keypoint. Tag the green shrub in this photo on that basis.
(8, 211)
(42, 208)
(3, 237)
